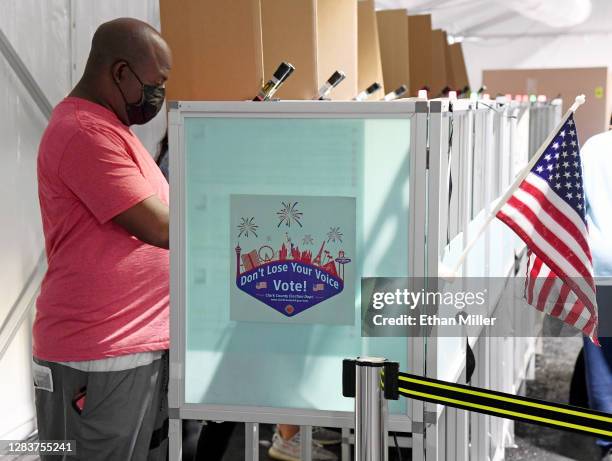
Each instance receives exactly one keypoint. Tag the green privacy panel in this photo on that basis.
(343, 186)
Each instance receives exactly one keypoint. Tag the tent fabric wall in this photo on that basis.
(88, 16)
(39, 33)
(52, 37)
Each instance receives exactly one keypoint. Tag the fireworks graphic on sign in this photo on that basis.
(289, 214)
(246, 227)
(308, 240)
(334, 235)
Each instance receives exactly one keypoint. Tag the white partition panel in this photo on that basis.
(257, 187)
(476, 150)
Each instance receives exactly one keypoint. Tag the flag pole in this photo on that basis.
(450, 273)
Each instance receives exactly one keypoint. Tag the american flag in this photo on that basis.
(547, 212)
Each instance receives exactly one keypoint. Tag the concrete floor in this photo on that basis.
(553, 376)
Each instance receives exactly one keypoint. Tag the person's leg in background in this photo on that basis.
(214, 440)
(192, 429)
(215, 437)
(598, 364)
(598, 367)
(286, 443)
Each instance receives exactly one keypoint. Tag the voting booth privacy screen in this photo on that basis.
(279, 217)
(279, 210)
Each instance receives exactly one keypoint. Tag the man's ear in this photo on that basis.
(118, 71)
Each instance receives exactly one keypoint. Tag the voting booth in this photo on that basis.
(312, 197)
(278, 210)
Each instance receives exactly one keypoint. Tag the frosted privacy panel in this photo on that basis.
(281, 363)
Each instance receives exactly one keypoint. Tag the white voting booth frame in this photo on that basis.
(477, 148)
(402, 158)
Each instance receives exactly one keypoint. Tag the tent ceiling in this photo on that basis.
(510, 17)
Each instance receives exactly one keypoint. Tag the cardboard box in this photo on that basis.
(458, 71)
(369, 63)
(216, 47)
(420, 56)
(449, 67)
(394, 48)
(318, 37)
(594, 82)
(439, 72)
(406, 50)
(337, 45)
(226, 50)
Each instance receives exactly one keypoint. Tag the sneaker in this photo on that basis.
(325, 436)
(290, 450)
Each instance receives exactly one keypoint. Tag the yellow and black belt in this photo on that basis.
(518, 408)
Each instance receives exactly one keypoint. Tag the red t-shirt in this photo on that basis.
(105, 293)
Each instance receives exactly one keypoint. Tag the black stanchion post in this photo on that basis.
(364, 379)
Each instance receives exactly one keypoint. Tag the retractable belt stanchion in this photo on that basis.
(371, 381)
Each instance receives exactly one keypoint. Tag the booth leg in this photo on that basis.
(306, 442)
(251, 441)
(434, 433)
(346, 445)
(175, 439)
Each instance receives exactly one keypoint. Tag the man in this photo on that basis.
(597, 173)
(101, 332)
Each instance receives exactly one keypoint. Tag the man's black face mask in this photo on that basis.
(151, 101)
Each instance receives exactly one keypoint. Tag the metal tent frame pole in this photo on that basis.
(24, 75)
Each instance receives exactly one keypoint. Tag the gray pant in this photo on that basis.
(124, 417)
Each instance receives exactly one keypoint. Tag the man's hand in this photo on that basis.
(148, 221)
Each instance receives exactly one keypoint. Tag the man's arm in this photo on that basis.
(148, 221)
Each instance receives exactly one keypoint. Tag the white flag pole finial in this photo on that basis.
(580, 100)
(449, 274)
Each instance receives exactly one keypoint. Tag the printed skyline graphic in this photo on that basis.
(289, 259)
